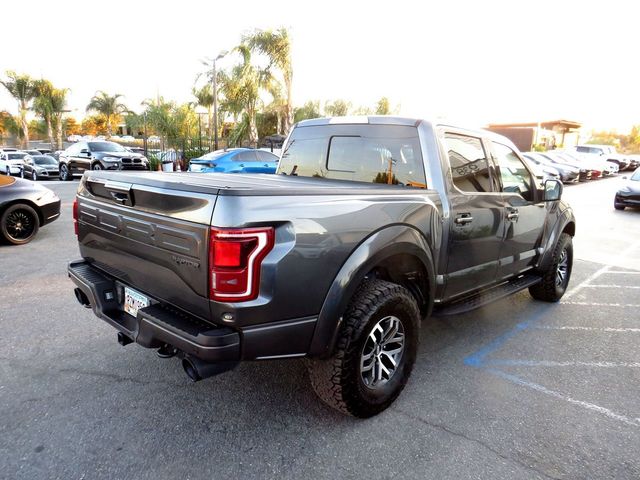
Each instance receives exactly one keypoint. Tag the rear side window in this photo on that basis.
(382, 154)
(266, 156)
(469, 164)
(245, 157)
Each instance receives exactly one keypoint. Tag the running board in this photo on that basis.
(487, 296)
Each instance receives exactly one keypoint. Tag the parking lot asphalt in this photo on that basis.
(518, 389)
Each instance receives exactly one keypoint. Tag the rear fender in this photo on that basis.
(372, 252)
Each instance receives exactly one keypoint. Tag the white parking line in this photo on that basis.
(610, 286)
(589, 329)
(620, 271)
(596, 304)
(603, 270)
(589, 406)
(553, 363)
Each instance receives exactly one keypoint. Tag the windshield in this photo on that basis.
(106, 147)
(15, 156)
(636, 176)
(44, 160)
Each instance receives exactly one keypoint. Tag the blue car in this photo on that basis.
(235, 160)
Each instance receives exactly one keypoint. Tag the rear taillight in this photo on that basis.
(235, 257)
(75, 216)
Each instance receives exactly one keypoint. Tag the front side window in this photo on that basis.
(382, 154)
(469, 165)
(514, 175)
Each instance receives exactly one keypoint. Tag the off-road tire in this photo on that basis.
(338, 380)
(548, 290)
(618, 206)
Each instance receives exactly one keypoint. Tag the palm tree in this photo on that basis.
(241, 89)
(58, 104)
(107, 106)
(42, 105)
(22, 88)
(277, 47)
(204, 98)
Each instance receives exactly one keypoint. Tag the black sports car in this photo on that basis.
(25, 207)
(629, 195)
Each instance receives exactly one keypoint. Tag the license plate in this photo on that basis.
(134, 301)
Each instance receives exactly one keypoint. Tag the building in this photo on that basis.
(549, 135)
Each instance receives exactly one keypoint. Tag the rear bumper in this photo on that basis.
(157, 324)
(160, 324)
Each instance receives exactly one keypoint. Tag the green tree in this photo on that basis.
(276, 46)
(108, 106)
(204, 98)
(383, 107)
(309, 110)
(22, 89)
(241, 89)
(337, 108)
(58, 105)
(43, 107)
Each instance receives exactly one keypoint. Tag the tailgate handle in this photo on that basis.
(120, 192)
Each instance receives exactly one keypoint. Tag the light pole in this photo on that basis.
(214, 86)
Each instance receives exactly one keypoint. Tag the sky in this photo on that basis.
(468, 62)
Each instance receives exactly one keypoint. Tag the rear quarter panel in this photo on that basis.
(315, 235)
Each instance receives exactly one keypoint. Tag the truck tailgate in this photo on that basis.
(155, 240)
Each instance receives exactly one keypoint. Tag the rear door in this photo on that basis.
(524, 217)
(477, 216)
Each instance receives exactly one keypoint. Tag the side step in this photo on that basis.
(487, 296)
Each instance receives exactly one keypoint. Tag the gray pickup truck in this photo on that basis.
(370, 225)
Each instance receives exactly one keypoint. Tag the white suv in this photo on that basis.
(598, 152)
(10, 161)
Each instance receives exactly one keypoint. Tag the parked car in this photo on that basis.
(594, 168)
(74, 138)
(8, 149)
(235, 160)
(634, 162)
(39, 167)
(567, 173)
(541, 170)
(83, 156)
(24, 208)
(606, 152)
(597, 154)
(128, 138)
(335, 259)
(44, 151)
(32, 152)
(629, 194)
(10, 162)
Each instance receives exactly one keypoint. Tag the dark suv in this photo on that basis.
(99, 155)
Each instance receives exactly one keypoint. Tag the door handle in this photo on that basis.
(512, 216)
(463, 219)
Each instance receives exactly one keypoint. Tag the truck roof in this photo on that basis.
(403, 121)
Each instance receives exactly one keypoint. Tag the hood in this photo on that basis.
(631, 187)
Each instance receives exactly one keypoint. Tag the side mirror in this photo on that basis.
(85, 151)
(552, 190)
